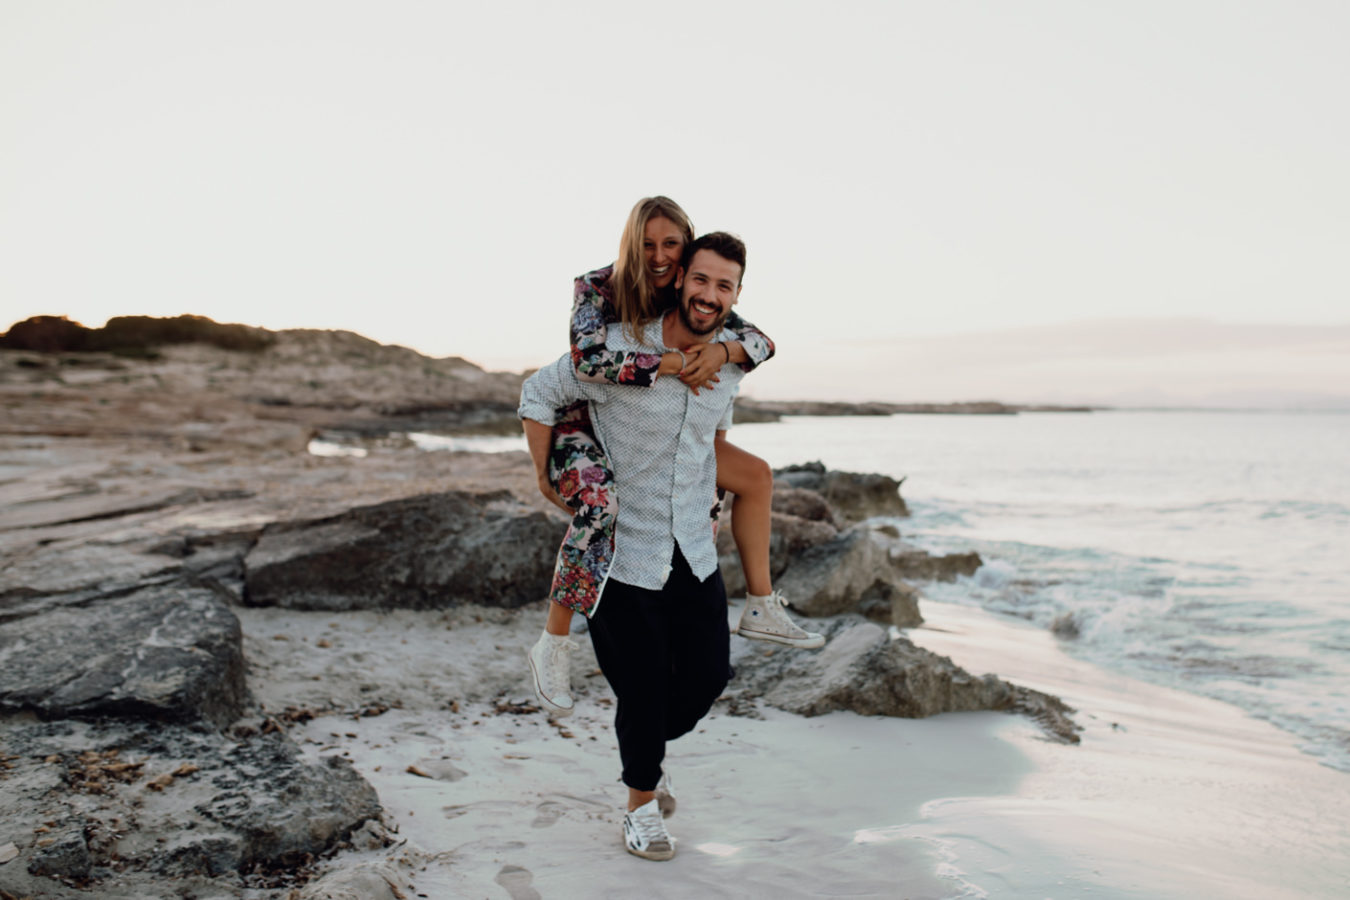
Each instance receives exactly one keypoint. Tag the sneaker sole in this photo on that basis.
(805, 644)
(654, 855)
(560, 712)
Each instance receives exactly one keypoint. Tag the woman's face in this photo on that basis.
(662, 244)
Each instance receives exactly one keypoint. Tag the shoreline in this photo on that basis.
(1169, 794)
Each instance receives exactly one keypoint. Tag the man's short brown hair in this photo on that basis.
(724, 244)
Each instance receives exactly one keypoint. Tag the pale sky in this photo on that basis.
(434, 174)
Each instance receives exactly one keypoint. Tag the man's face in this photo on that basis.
(708, 291)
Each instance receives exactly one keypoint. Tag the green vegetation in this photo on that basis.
(133, 336)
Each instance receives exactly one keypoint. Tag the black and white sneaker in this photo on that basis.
(645, 835)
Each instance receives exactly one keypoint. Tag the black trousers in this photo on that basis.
(666, 655)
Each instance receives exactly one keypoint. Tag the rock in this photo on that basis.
(63, 856)
(1065, 625)
(863, 670)
(169, 652)
(918, 564)
(289, 808)
(854, 496)
(364, 881)
(892, 603)
(251, 806)
(790, 536)
(834, 577)
(803, 504)
(426, 551)
(438, 769)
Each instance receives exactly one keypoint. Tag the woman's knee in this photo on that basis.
(742, 473)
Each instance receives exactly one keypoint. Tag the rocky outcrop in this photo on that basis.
(826, 566)
(911, 562)
(432, 550)
(168, 652)
(120, 805)
(835, 577)
(864, 670)
(852, 495)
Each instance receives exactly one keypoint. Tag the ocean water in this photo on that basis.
(1206, 551)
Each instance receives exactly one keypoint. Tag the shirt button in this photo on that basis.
(665, 573)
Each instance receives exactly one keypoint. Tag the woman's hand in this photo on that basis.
(552, 496)
(702, 363)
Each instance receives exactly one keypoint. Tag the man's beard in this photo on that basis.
(685, 318)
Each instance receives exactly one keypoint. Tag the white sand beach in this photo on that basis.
(1168, 796)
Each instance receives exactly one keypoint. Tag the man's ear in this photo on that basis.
(679, 277)
(737, 298)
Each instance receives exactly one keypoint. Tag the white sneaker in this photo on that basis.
(763, 619)
(551, 667)
(645, 835)
(665, 796)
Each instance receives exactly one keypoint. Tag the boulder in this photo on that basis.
(910, 562)
(803, 504)
(170, 652)
(425, 551)
(837, 576)
(853, 495)
(891, 603)
(864, 670)
(790, 537)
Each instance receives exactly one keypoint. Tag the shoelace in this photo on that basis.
(650, 828)
(777, 610)
(557, 657)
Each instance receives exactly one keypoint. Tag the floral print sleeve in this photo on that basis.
(756, 343)
(592, 314)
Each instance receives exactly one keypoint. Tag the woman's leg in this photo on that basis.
(751, 480)
(580, 472)
(559, 619)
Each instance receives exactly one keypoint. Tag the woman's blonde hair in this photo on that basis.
(635, 299)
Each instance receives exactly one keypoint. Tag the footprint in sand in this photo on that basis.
(548, 813)
(517, 883)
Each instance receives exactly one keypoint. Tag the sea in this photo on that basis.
(1207, 551)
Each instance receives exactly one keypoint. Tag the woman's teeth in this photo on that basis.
(661, 271)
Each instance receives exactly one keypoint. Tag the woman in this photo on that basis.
(636, 290)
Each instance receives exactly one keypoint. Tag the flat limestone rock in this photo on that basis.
(201, 804)
(169, 652)
(423, 552)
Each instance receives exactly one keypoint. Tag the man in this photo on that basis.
(660, 626)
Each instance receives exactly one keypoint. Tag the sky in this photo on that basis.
(935, 195)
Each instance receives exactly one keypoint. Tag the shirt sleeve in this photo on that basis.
(554, 387)
(592, 314)
(756, 343)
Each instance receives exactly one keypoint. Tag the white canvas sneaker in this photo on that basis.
(764, 619)
(551, 672)
(645, 835)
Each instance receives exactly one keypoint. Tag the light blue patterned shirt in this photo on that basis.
(660, 441)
